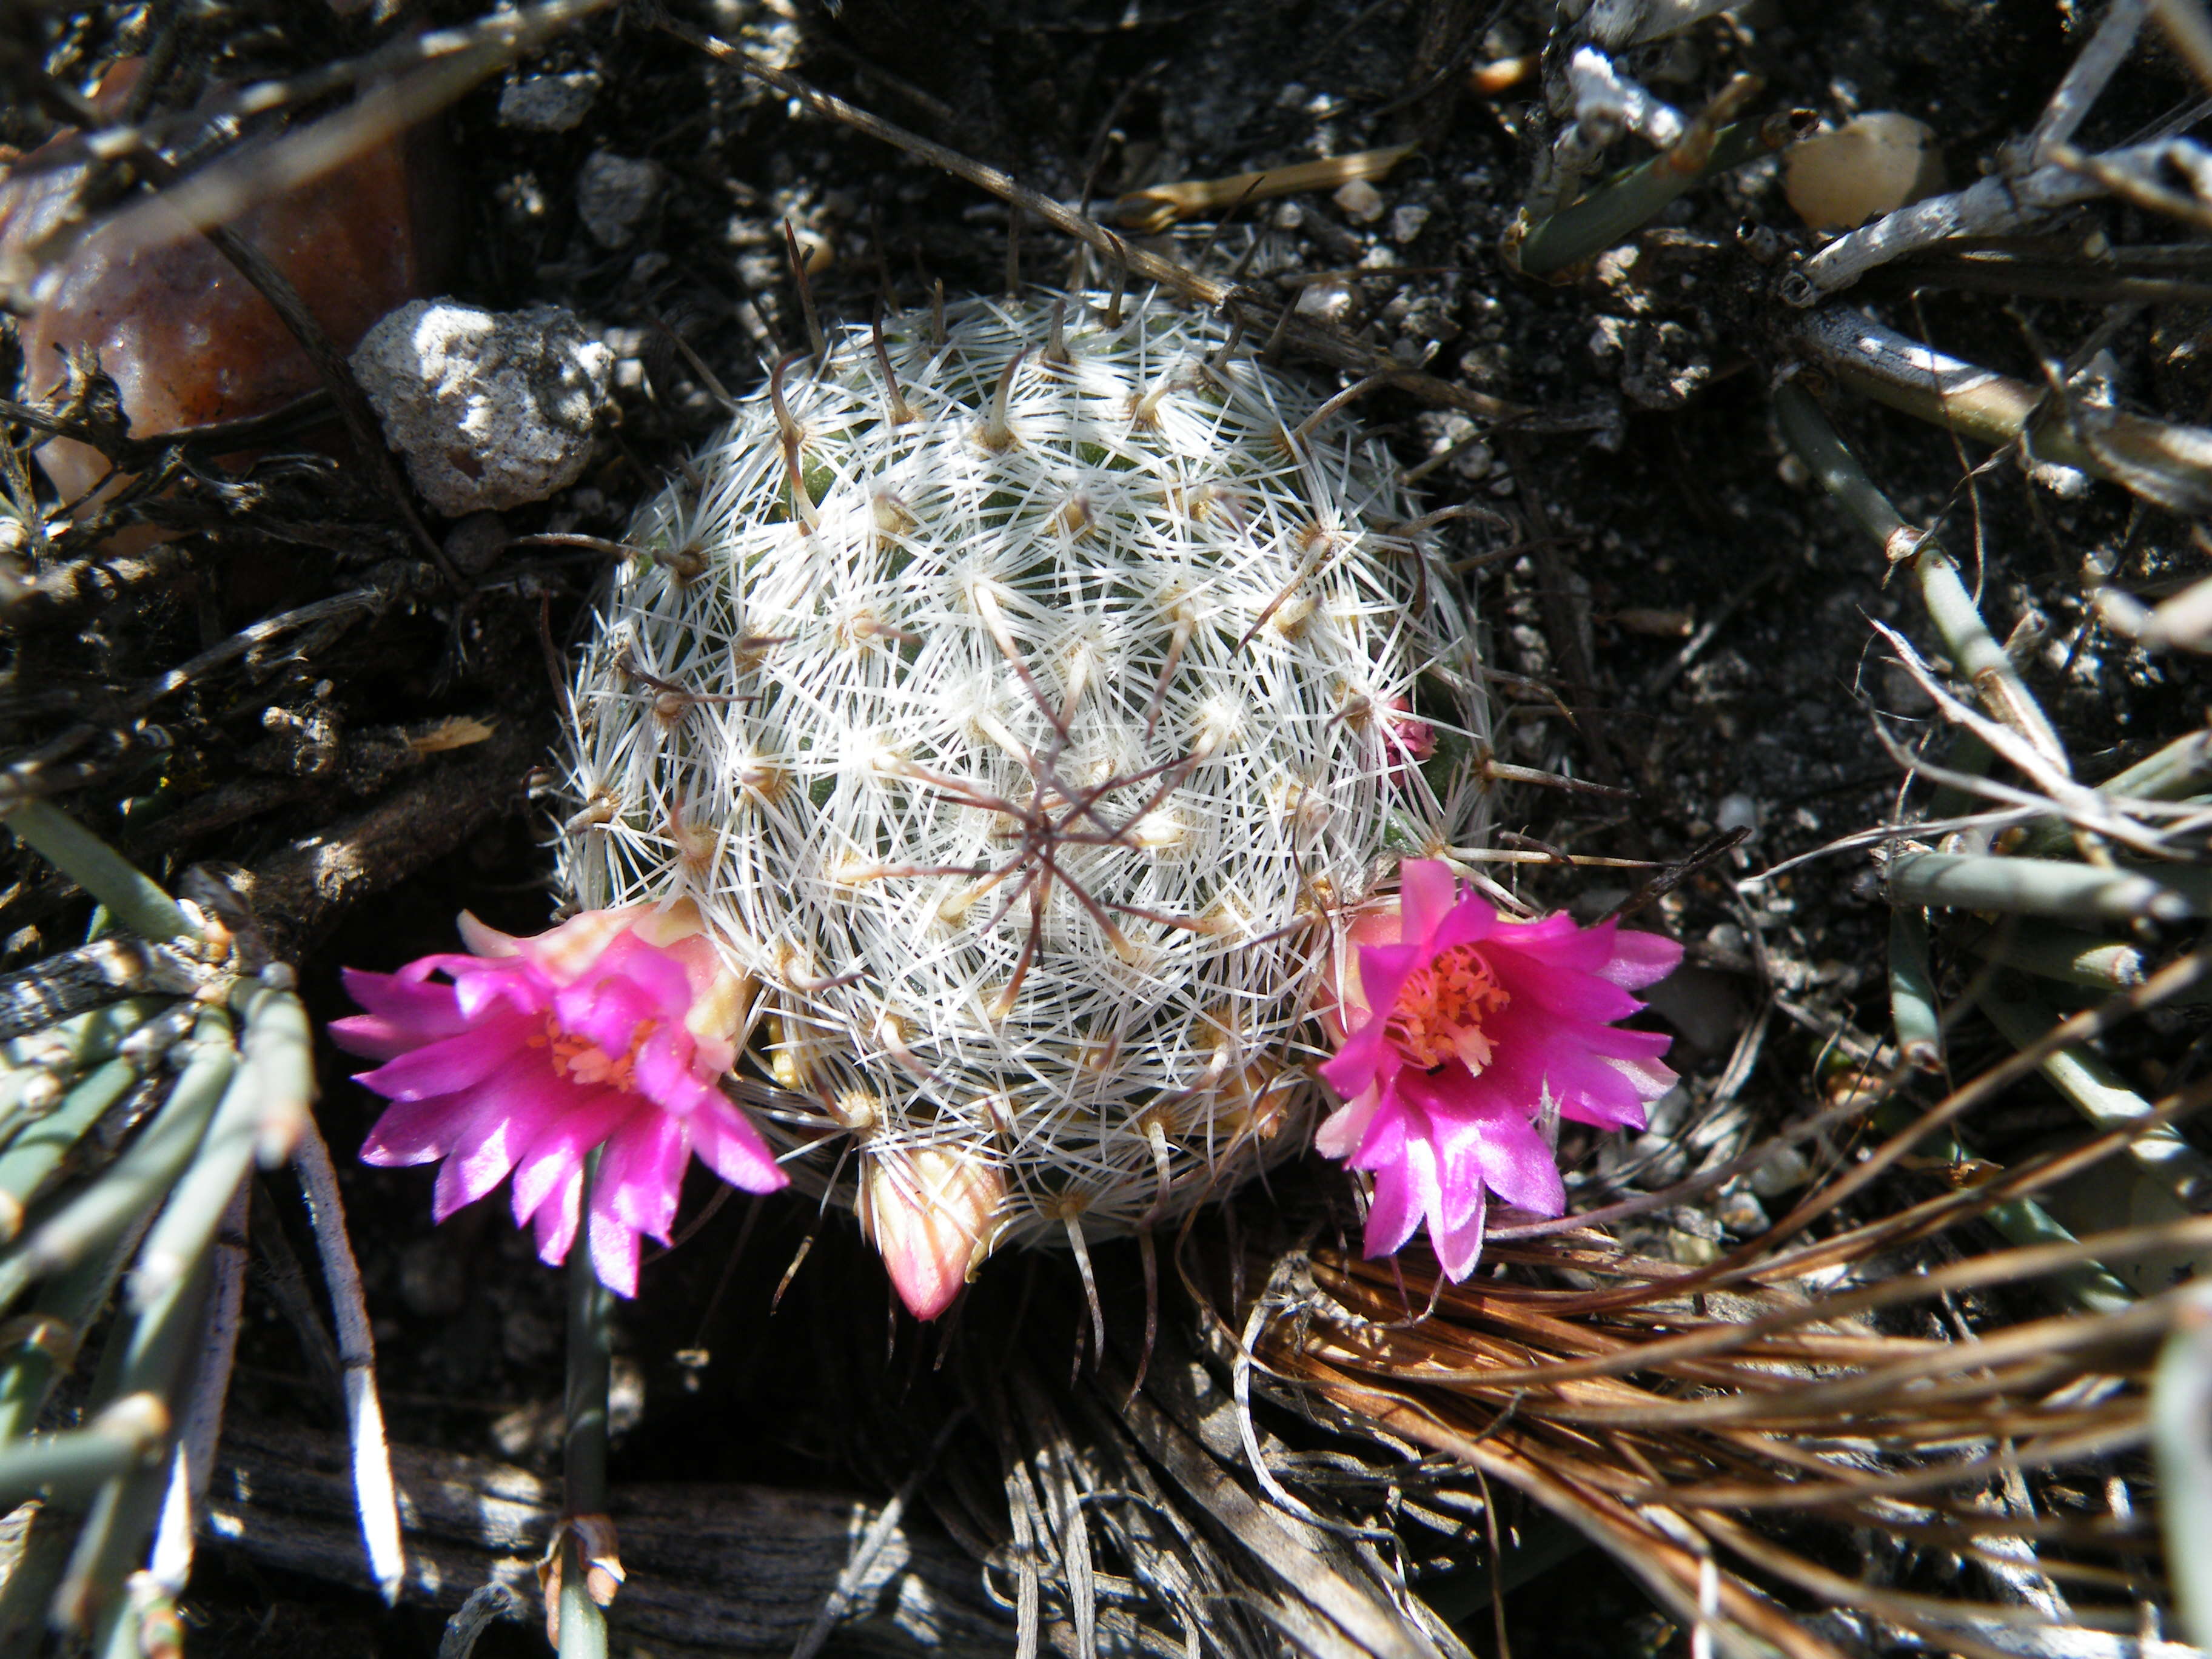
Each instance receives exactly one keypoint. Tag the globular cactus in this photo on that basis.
(1023, 695)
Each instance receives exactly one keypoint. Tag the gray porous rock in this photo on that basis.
(549, 103)
(489, 409)
(614, 194)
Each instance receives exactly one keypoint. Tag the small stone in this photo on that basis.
(476, 543)
(1328, 300)
(1737, 812)
(1871, 165)
(549, 103)
(1360, 200)
(614, 194)
(1784, 1169)
(1740, 1212)
(490, 409)
(1407, 222)
(188, 341)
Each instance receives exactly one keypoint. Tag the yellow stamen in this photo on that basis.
(582, 1060)
(1441, 1008)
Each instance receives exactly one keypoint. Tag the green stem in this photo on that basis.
(2182, 768)
(70, 1467)
(583, 1626)
(2101, 1095)
(1631, 197)
(584, 1466)
(135, 899)
(180, 1238)
(2063, 954)
(33, 1156)
(139, 1180)
(1912, 990)
(1950, 606)
(156, 1335)
(2078, 893)
(2181, 1441)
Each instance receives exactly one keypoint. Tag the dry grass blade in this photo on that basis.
(1677, 1429)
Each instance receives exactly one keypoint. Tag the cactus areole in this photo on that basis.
(1026, 698)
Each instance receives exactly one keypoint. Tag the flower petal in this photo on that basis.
(1427, 890)
(1405, 1193)
(555, 1221)
(559, 1148)
(614, 1249)
(454, 1063)
(1459, 1245)
(511, 1107)
(1342, 1130)
(1640, 959)
(666, 1073)
(417, 1131)
(726, 1143)
(641, 1172)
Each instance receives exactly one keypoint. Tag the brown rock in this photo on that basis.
(187, 339)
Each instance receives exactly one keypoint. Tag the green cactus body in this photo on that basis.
(1030, 752)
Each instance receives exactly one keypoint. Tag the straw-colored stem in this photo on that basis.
(1151, 210)
(133, 898)
(2182, 768)
(2165, 463)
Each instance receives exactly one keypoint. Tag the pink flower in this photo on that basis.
(609, 1030)
(1454, 1024)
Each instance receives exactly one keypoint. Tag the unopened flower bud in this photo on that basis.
(929, 1213)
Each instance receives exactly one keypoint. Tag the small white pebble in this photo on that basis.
(1783, 1171)
(1359, 200)
(1740, 1212)
(490, 409)
(1407, 221)
(1327, 300)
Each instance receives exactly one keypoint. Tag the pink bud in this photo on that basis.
(929, 1213)
(1412, 738)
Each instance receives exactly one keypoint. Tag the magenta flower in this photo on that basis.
(1454, 1022)
(609, 1031)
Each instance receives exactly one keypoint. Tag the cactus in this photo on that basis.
(1024, 696)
